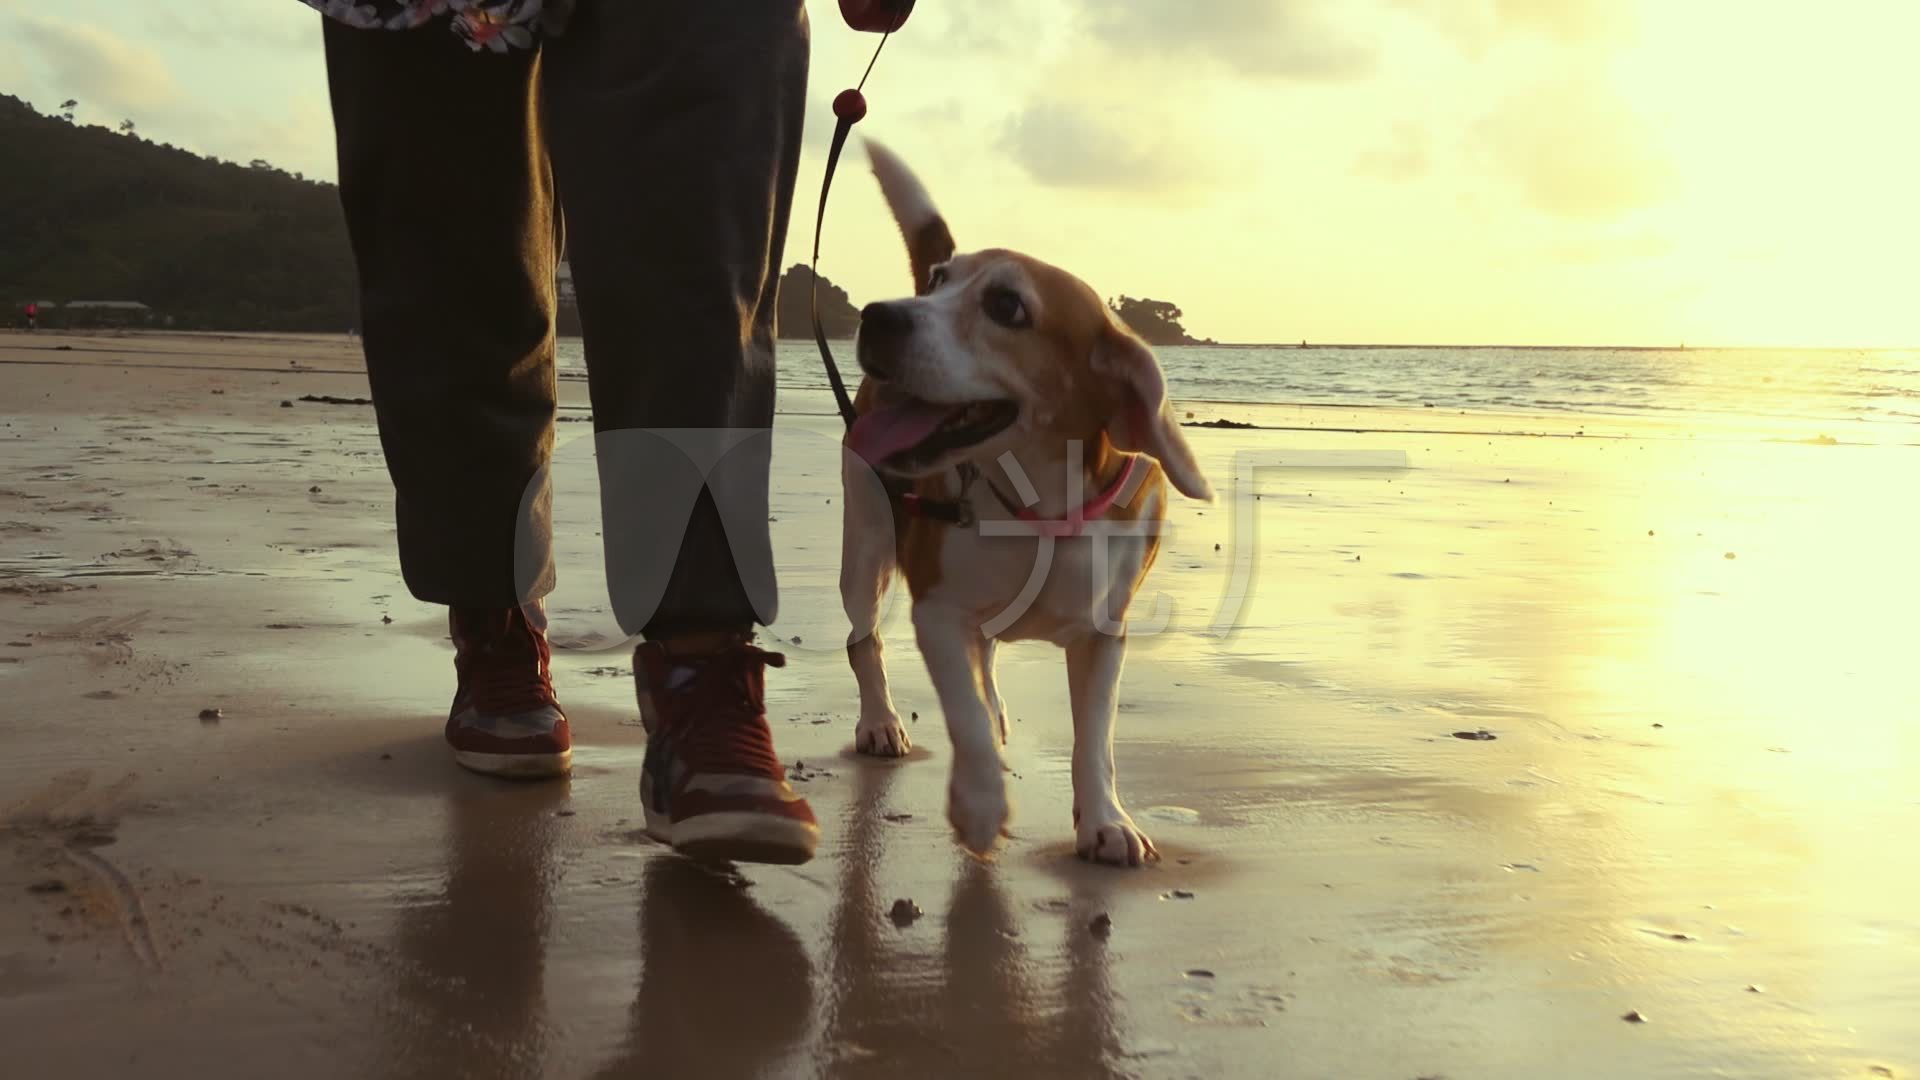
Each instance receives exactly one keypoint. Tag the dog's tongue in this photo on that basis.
(890, 429)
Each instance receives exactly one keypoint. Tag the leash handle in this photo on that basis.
(876, 16)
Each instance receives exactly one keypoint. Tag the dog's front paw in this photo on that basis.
(1110, 837)
(979, 813)
(881, 735)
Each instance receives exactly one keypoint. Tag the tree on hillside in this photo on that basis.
(126, 127)
(66, 109)
(1157, 321)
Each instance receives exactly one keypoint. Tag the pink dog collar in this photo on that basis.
(1093, 509)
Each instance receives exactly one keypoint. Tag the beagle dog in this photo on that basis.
(1012, 454)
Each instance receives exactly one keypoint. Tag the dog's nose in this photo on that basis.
(884, 319)
(883, 328)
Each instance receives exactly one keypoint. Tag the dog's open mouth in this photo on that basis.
(909, 433)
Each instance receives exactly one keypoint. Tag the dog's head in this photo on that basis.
(996, 350)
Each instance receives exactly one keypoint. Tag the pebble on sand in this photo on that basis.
(904, 912)
(210, 715)
(1635, 1017)
(286, 404)
(1483, 735)
(51, 885)
(1101, 925)
(1728, 555)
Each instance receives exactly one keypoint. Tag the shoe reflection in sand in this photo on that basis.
(469, 991)
(726, 988)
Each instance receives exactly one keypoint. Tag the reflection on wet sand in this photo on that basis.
(725, 988)
(984, 1003)
(468, 998)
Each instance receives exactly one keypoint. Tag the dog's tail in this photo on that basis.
(928, 242)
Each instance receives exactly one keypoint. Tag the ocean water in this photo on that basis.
(1867, 393)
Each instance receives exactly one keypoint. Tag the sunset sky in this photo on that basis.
(1450, 171)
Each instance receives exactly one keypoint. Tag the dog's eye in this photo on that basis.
(936, 278)
(1005, 307)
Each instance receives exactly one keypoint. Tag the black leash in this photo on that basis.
(848, 110)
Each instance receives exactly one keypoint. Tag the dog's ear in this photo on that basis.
(1143, 418)
(928, 242)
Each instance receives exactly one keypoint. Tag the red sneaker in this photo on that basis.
(505, 720)
(711, 785)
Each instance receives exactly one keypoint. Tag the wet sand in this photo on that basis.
(1694, 650)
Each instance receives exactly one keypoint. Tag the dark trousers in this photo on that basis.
(669, 133)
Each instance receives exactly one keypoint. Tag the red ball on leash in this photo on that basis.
(876, 16)
(850, 106)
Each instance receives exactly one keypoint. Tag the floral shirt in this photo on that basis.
(498, 25)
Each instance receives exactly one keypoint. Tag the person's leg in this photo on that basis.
(674, 129)
(450, 211)
(449, 206)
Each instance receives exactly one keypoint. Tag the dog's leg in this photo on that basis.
(977, 803)
(995, 707)
(866, 568)
(1102, 830)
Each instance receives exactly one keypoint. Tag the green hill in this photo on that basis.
(93, 214)
(87, 213)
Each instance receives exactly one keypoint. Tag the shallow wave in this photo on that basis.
(1794, 386)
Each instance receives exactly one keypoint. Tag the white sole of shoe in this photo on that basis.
(516, 766)
(738, 837)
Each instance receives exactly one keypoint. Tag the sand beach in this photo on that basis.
(232, 843)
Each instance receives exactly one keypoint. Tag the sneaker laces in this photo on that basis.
(504, 661)
(713, 707)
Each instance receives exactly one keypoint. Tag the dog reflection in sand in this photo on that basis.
(1025, 433)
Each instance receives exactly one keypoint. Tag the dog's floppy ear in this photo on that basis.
(928, 242)
(1143, 418)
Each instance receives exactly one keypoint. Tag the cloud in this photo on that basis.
(1061, 144)
(96, 67)
(1287, 39)
(988, 26)
(233, 24)
(1576, 150)
(1405, 158)
(1571, 21)
(1473, 25)
(1611, 248)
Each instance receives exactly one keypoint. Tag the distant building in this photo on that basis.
(567, 319)
(105, 313)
